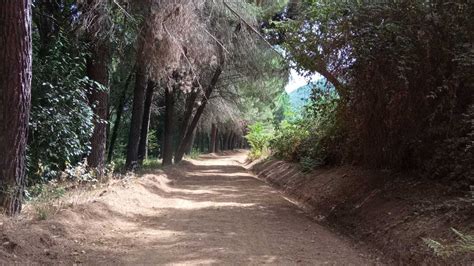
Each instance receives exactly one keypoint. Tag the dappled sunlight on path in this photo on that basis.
(207, 211)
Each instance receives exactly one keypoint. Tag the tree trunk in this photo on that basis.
(146, 42)
(225, 143)
(15, 99)
(97, 70)
(137, 117)
(219, 141)
(207, 142)
(231, 141)
(212, 146)
(143, 145)
(238, 142)
(118, 117)
(160, 131)
(197, 140)
(190, 100)
(202, 147)
(189, 148)
(222, 142)
(45, 16)
(189, 132)
(169, 124)
(200, 140)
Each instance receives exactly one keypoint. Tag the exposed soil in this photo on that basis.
(208, 211)
(388, 212)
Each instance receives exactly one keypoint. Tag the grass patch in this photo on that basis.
(194, 154)
(46, 199)
(151, 164)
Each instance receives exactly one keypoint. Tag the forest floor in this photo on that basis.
(206, 211)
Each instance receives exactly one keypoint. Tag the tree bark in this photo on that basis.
(231, 141)
(45, 18)
(203, 141)
(137, 118)
(338, 85)
(225, 141)
(97, 70)
(207, 142)
(145, 43)
(219, 141)
(189, 132)
(118, 117)
(212, 146)
(190, 100)
(199, 136)
(143, 145)
(190, 145)
(15, 99)
(169, 124)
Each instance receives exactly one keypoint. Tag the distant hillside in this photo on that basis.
(300, 97)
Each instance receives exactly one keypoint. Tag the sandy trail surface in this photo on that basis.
(206, 211)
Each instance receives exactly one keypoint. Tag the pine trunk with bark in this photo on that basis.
(169, 125)
(118, 117)
(188, 112)
(97, 70)
(199, 140)
(197, 116)
(15, 100)
(213, 142)
(143, 145)
(137, 118)
(219, 141)
(231, 141)
(204, 140)
(190, 146)
(146, 41)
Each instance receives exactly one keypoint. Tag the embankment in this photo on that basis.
(388, 212)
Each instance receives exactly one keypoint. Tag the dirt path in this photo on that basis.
(209, 211)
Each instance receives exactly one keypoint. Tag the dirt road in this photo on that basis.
(207, 211)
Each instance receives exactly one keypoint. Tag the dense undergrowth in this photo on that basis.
(402, 94)
(61, 118)
(403, 90)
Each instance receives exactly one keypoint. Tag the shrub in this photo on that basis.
(45, 199)
(454, 156)
(194, 154)
(287, 143)
(259, 136)
(316, 138)
(61, 122)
